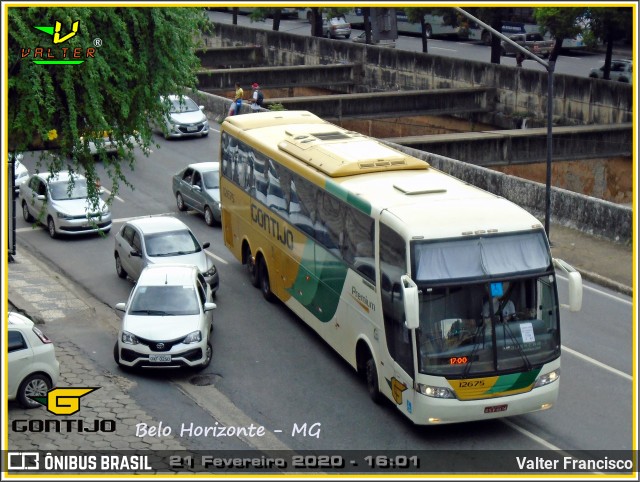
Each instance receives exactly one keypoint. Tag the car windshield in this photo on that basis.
(171, 243)
(184, 105)
(68, 190)
(211, 179)
(165, 301)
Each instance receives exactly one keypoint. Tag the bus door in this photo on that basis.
(399, 339)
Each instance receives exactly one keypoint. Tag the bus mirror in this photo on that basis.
(410, 298)
(575, 284)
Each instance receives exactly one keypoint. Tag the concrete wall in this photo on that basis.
(577, 101)
(588, 214)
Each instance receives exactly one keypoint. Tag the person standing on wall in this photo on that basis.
(236, 105)
(256, 98)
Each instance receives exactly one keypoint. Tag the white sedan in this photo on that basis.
(167, 321)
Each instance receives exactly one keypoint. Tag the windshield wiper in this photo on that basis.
(518, 345)
(476, 346)
(150, 313)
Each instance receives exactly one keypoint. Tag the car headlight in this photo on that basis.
(210, 272)
(129, 338)
(547, 378)
(64, 216)
(435, 392)
(193, 337)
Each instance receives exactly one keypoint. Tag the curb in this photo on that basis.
(606, 282)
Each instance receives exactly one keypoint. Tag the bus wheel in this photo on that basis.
(372, 380)
(252, 269)
(265, 286)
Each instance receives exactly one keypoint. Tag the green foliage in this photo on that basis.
(276, 106)
(143, 53)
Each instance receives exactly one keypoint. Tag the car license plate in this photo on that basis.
(160, 358)
(191, 128)
(496, 408)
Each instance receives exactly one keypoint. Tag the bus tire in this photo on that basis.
(372, 380)
(265, 285)
(252, 269)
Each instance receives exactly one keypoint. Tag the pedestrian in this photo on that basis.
(519, 59)
(236, 105)
(256, 97)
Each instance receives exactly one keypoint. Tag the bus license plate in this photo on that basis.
(496, 408)
(160, 358)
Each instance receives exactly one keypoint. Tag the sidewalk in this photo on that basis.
(42, 293)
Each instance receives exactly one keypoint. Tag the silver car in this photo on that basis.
(336, 27)
(61, 202)
(621, 70)
(186, 118)
(21, 173)
(160, 240)
(197, 187)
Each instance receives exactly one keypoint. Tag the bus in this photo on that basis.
(391, 261)
(436, 25)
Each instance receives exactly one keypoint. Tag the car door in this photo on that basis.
(137, 262)
(197, 191)
(186, 187)
(20, 357)
(37, 196)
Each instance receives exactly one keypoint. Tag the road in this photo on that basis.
(271, 370)
(577, 63)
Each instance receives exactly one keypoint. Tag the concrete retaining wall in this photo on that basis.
(577, 101)
(593, 216)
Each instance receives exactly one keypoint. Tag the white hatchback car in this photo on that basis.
(621, 70)
(186, 118)
(145, 241)
(33, 366)
(62, 203)
(167, 321)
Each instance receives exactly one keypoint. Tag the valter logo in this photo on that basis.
(64, 401)
(61, 53)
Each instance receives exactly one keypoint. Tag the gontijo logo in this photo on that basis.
(64, 401)
(63, 55)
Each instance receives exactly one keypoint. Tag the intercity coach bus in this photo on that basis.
(393, 263)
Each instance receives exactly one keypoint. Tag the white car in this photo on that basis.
(33, 367)
(150, 240)
(621, 70)
(167, 320)
(186, 118)
(21, 173)
(61, 202)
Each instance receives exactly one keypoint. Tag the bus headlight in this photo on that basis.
(435, 392)
(547, 378)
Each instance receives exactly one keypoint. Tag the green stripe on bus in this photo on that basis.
(514, 381)
(341, 193)
(319, 282)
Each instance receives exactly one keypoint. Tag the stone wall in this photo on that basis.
(576, 100)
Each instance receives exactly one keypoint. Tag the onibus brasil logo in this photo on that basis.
(62, 55)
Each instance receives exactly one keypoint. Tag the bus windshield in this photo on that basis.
(492, 319)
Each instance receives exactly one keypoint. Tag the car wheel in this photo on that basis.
(208, 216)
(25, 212)
(372, 380)
(265, 285)
(36, 385)
(119, 269)
(180, 202)
(51, 226)
(208, 356)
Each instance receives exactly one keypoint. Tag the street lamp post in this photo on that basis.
(550, 67)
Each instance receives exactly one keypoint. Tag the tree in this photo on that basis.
(561, 23)
(261, 14)
(609, 24)
(417, 15)
(316, 18)
(130, 57)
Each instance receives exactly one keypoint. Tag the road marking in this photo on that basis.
(225, 412)
(115, 197)
(217, 258)
(597, 363)
(604, 293)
